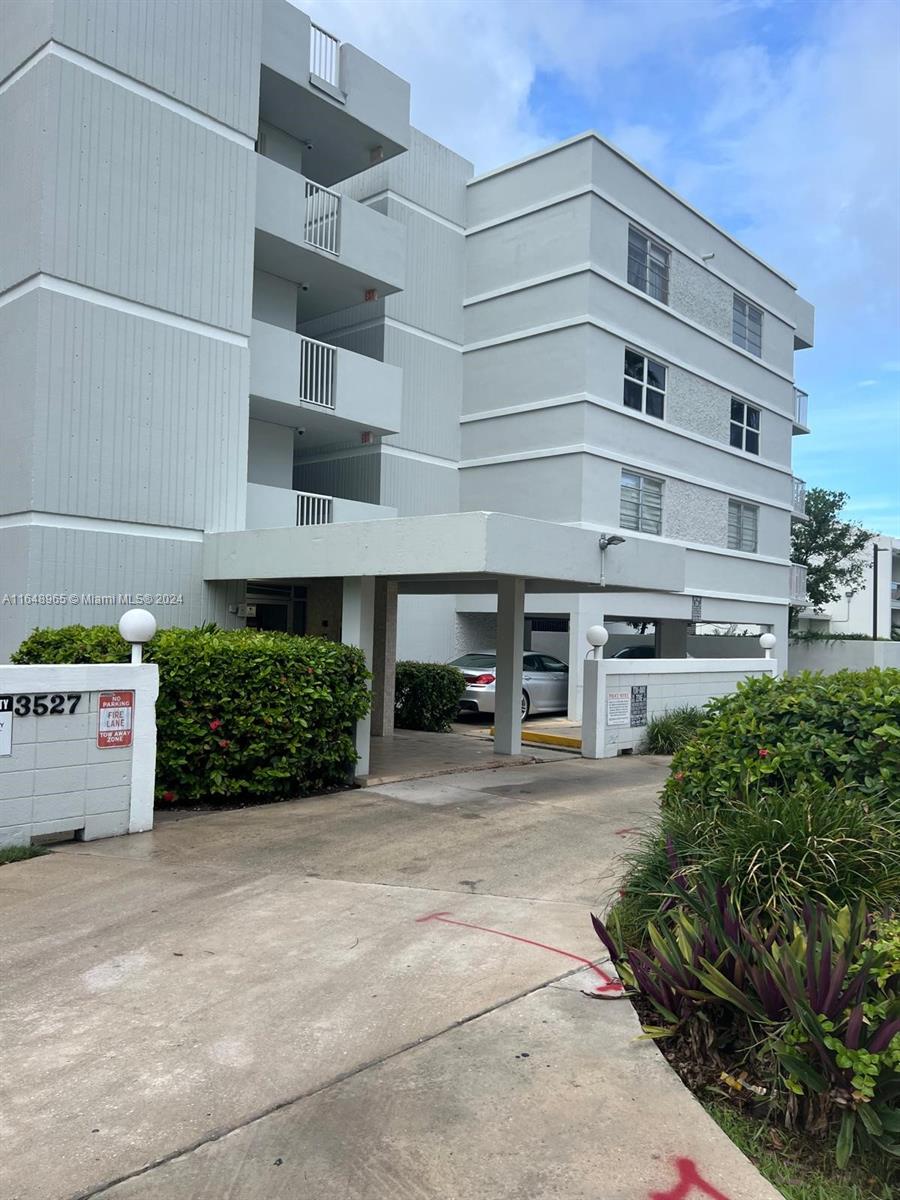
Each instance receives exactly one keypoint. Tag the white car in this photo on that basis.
(545, 682)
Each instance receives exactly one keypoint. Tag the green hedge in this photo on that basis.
(804, 729)
(427, 695)
(242, 714)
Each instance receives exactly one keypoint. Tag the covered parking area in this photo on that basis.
(370, 563)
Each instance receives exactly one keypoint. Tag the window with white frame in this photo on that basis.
(648, 265)
(640, 503)
(744, 426)
(746, 328)
(645, 384)
(743, 526)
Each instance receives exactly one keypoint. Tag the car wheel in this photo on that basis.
(526, 705)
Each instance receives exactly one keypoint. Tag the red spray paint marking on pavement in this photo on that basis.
(609, 984)
(689, 1179)
(625, 832)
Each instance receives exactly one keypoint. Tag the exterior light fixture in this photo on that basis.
(604, 542)
(597, 637)
(137, 626)
(767, 641)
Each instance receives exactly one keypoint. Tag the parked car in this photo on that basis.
(545, 682)
(637, 651)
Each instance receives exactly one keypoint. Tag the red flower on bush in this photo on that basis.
(679, 775)
(168, 797)
(214, 725)
(224, 743)
(763, 752)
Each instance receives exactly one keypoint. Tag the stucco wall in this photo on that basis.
(829, 657)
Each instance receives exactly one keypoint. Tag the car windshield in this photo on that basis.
(475, 662)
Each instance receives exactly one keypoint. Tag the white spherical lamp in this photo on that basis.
(597, 636)
(767, 641)
(137, 626)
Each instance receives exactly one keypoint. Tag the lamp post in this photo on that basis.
(876, 550)
(137, 626)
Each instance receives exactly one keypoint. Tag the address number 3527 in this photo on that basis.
(44, 705)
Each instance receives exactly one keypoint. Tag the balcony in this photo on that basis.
(331, 393)
(798, 497)
(279, 508)
(895, 593)
(801, 414)
(798, 585)
(348, 110)
(341, 253)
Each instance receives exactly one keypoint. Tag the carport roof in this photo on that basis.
(451, 552)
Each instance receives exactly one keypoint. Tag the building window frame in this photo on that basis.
(743, 526)
(640, 502)
(747, 325)
(645, 384)
(649, 264)
(744, 426)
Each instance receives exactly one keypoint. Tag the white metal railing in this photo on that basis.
(895, 590)
(801, 405)
(313, 509)
(324, 55)
(318, 372)
(321, 224)
(799, 496)
(798, 584)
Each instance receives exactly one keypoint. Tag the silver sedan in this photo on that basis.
(545, 682)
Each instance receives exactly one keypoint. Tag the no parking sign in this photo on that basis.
(115, 713)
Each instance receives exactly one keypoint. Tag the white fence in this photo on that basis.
(321, 225)
(318, 362)
(622, 695)
(324, 55)
(851, 654)
(77, 750)
(313, 509)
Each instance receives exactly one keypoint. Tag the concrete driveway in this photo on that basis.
(249, 1005)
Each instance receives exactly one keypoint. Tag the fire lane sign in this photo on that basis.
(115, 718)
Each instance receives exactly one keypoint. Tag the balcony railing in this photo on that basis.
(799, 497)
(321, 224)
(324, 55)
(798, 585)
(318, 371)
(801, 405)
(895, 591)
(313, 509)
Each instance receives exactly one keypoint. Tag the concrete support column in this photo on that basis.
(586, 611)
(510, 647)
(593, 724)
(357, 629)
(782, 646)
(384, 658)
(671, 638)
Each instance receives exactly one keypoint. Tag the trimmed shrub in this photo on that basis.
(841, 729)
(427, 695)
(242, 714)
(672, 730)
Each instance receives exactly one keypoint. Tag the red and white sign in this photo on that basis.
(114, 719)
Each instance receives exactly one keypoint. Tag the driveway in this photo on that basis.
(249, 1004)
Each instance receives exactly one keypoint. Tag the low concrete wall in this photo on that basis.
(77, 750)
(829, 657)
(622, 695)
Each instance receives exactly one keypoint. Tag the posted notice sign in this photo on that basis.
(618, 706)
(115, 713)
(6, 720)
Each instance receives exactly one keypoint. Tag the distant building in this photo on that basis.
(859, 613)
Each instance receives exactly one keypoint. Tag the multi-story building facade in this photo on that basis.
(874, 610)
(261, 337)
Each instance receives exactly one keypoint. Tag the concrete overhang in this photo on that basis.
(449, 553)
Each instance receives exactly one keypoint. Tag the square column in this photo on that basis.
(384, 658)
(510, 647)
(357, 629)
(671, 638)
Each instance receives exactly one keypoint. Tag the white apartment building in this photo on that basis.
(873, 611)
(273, 357)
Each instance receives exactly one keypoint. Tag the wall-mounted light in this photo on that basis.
(604, 542)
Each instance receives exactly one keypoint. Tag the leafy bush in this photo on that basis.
(241, 714)
(427, 695)
(805, 1006)
(841, 729)
(672, 729)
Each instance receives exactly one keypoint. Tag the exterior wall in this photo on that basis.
(829, 657)
(118, 466)
(55, 777)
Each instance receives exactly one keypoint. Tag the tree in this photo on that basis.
(831, 549)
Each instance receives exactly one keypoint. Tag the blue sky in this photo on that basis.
(778, 118)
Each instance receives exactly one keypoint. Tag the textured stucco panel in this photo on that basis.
(694, 514)
(699, 295)
(698, 405)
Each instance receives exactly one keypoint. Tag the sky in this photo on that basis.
(779, 119)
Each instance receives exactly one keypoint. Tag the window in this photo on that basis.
(746, 328)
(640, 504)
(648, 265)
(645, 384)
(744, 426)
(743, 520)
